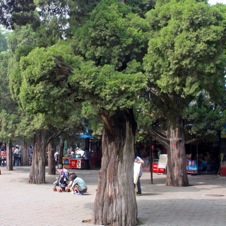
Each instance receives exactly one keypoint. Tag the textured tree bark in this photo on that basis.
(25, 154)
(60, 149)
(9, 157)
(115, 202)
(37, 171)
(176, 164)
(51, 161)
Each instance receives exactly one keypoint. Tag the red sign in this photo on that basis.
(75, 164)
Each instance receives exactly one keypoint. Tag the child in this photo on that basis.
(63, 178)
(77, 184)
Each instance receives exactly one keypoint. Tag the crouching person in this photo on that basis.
(77, 184)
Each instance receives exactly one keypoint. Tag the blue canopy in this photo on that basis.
(84, 136)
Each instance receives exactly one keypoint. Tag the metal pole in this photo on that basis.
(151, 161)
(197, 153)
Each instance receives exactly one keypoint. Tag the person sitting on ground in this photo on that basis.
(62, 179)
(77, 184)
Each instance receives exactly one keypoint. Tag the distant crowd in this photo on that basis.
(16, 155)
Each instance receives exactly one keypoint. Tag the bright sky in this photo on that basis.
(213, 2)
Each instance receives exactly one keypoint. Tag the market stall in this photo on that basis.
(74, 163)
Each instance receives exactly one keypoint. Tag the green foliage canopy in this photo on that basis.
(44, 88)
(111, 74)
(186, 53)
(3, 42)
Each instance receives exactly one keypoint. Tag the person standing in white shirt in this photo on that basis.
(141, 162)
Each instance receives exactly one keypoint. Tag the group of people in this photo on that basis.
(79, 153)
(69, 182)
(16, 153)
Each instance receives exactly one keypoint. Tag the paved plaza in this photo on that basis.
(23, 204)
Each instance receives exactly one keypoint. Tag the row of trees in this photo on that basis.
(127, 66)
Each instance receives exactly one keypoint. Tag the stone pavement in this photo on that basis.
(23, 204)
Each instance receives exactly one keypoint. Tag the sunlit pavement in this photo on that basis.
(23, 204)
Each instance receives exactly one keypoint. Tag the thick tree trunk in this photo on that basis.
(37, 171)
(9, 156)
(176, 164)
(115, 202)
(51, 161)
(60, 149)
(25, 154)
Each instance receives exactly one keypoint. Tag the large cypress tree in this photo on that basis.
(185, 56)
